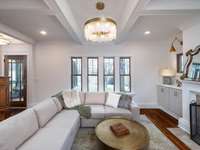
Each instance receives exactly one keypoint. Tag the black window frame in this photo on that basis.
(109, 75)
(75, 75)
(125, 75)
(96, 75)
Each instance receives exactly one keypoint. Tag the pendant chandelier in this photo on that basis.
(100, 29)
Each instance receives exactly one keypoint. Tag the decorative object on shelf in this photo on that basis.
(167, 75)
(178, 83)
(179, 43)
(100, 29)
(192, 66)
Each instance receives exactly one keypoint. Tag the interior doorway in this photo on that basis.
(16, 70)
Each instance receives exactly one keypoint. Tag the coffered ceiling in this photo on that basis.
(64, 19)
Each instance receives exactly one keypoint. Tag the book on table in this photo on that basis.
(119, 129)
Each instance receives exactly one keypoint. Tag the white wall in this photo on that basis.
(52, 66)
(20, 49)
(191, 37)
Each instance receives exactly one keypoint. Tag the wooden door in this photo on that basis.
(16, 70)
(4, 92)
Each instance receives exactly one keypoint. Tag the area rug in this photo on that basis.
(184, 137)
(86, 139)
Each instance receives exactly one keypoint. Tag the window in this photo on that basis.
(76, 73)
(179, 59)
(125, 74)
(109, 78)
(92, 74)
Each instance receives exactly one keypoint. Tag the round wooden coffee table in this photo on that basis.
(138, 139)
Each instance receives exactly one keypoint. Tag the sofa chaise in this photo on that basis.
(48, 126)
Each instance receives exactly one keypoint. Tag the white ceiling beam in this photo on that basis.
(24, 4)
(64, 14)
(24, 7)
(30, 12)
(169, 12)
(11, 32)
(131, 17)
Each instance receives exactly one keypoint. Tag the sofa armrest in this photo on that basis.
(135, 111)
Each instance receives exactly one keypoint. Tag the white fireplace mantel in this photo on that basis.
(189, 91)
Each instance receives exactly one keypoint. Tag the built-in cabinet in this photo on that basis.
(170, 99)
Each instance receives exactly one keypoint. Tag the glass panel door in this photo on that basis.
(16, 69)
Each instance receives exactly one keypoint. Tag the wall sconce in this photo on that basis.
(173, 49)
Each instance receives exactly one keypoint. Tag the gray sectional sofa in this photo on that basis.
(47, 126)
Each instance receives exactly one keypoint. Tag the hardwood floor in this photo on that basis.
(163, 121)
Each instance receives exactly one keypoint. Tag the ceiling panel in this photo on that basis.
(161, 27)
(173, 4)
(86, 9)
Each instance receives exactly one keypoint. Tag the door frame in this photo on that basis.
(21, 103)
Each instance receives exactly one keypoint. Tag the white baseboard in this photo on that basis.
(148, 105)
(184, 125)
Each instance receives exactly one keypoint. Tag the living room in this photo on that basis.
(135, 61)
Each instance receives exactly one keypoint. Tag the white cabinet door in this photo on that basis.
(179, 106)
(163, 96)
(173, 100)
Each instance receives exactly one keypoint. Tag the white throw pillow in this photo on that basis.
(95, 98)
(71, 98)
(113, 100)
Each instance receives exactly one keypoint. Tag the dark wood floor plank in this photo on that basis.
(163, 121)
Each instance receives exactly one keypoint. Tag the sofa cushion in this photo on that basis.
(58, 134)
(113, 100)
(97, 111)
(110, 112)
(64, 119)
(125, 101)
(59, 96)
(45, 111)
(71, 98)
(95, 98)
(15, 130)
(58, 104)
(82, 97)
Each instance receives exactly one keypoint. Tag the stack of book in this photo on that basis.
(119, 129)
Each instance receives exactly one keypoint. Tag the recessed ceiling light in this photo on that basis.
(43, 32)
(147, 32)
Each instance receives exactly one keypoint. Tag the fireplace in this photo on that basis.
(195, 122)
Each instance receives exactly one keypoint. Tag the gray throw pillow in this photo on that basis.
(125, 101)
(59, 96)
